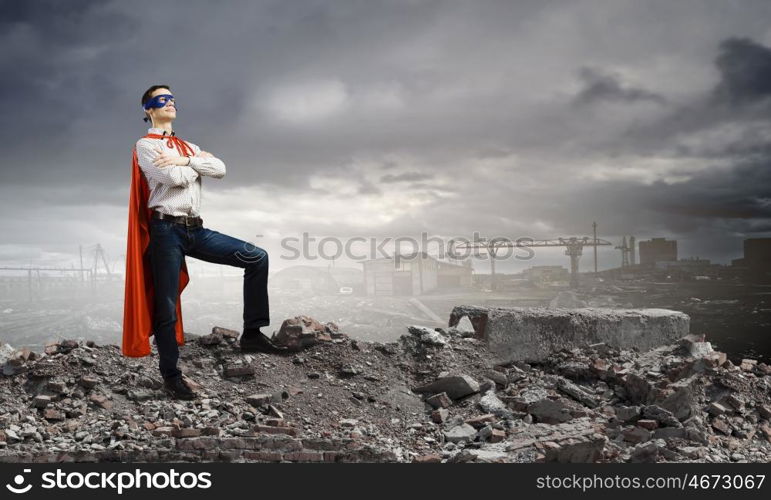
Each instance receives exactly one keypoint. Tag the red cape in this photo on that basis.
(138, 304)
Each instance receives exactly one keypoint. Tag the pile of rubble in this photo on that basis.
(433, 396)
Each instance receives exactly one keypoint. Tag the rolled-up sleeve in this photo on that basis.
(211, 167)
(173, 175)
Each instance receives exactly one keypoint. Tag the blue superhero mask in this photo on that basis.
(160, 101)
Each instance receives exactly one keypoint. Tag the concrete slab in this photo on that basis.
(533, 333)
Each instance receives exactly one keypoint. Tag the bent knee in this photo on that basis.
(252, 256)
(259, 257)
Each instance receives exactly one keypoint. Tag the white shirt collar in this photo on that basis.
(159, 131)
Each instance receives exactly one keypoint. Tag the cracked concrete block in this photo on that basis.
(533, 333)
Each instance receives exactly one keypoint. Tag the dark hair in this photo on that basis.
(146, 96)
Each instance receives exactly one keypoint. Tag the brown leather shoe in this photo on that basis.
(256, 341)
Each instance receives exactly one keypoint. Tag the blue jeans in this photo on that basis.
(169, 243)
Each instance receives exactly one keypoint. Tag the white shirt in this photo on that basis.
(175, 189)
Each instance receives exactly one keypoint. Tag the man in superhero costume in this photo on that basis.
(164, 226)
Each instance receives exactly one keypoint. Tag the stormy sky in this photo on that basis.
(386, 119)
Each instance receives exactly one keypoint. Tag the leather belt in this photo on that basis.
(179, 219)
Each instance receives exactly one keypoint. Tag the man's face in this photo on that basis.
(168, 112)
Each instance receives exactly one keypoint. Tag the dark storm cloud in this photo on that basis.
(745, 69)
(739, 97)
(603, 86)
(304, 98)
(82, 67)
(45, 56)
(738, 197)
(743, 192)
(730, 124)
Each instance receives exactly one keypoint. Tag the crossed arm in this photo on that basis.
(175, 170)
(207, 164)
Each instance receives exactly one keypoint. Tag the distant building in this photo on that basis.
(757, 259)
(413, 275)
(453, 275)
(692, 264)
(546, 273)
(658, 250)
(350, 277)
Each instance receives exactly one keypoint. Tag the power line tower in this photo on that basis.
(628, 254)
(100, 255)
(624, 252)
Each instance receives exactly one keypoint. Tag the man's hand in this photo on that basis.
(165, 160)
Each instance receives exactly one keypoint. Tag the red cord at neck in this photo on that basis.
(172, 141)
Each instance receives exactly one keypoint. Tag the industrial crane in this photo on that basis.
(574, 247)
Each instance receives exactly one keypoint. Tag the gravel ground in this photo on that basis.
(435, 395)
